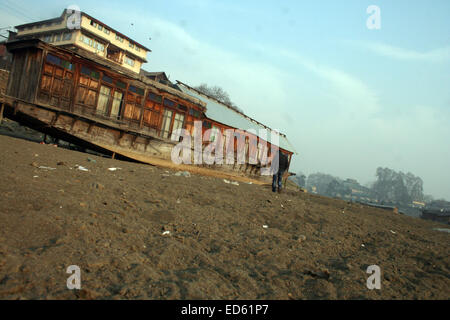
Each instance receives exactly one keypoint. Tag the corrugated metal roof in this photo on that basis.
(224, 114)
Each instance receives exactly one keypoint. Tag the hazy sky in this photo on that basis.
(349, 99)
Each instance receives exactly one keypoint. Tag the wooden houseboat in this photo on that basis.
(79, 97)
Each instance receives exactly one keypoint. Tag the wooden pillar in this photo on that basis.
(113, 155)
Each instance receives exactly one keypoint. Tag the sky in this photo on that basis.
(349, 98)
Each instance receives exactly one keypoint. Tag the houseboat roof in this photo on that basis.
(222, 113)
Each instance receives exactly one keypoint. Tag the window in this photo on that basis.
(129, 61)
(136, 90)
(121, 85)
(106, 31)
(99, 46)
(152, 110)
(91, 73)
(88, 86)
(57, 37)
(60, 62)
(155, 97)
(119, 38)
(166, 122)
(100, 27)
(194, 113)
(178, 122)
(67, 36)
(207, 124)
(133, 106)
(131, 45)
(107, 79)
(182, 108)
(56, 81)
(103, 100)
(94, 24)
(169, 103)
(138, 49)
(92, 43)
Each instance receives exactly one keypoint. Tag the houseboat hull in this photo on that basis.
(91, 133)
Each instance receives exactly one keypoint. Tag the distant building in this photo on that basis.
(93, 36)
(418, 204)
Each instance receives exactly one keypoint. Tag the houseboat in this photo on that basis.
(83, 98)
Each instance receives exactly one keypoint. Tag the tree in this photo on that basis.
(397, 187)
(217, 93)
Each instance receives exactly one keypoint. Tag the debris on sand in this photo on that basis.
(165, 233)
(46, 168)
(114, 169)
(97, 186)
(186, 174)
(442, 230)
(81, 168)
(265, 226)
(231, 182)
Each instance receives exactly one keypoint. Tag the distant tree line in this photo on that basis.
(390, 187)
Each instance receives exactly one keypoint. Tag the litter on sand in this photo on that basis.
(393, 232)
(265, 226)
(186, 174)
(442, 230)
(165, 233)
(81, 168)
(232, 182)
(114, 169)
(46, 168)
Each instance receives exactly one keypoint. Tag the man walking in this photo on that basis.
(283, 163)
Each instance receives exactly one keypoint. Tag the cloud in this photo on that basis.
(253, 85)
(347, 92)
(436, 55)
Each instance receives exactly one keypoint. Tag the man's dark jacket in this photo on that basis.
(283, 162)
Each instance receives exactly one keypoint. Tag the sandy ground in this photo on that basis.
(111, 224)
